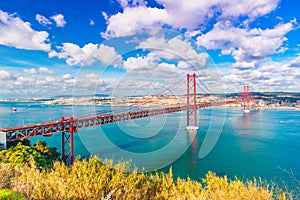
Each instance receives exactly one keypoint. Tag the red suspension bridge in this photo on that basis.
(68, 125)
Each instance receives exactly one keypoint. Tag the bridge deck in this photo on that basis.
(50, 128)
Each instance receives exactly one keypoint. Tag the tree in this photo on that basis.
(39, 155)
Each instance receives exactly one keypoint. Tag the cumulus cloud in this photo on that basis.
(140, 64)
(87, 55)
(149, 65)
(35, 85)
(132, 3)
(67, 76)
(180, 14)
(245, 45)
(59, 20)
(45, 70)
(132, 19)
(4, 75)
(255, 9)
(232, 33)
(281, 75)
(295, 63)
(244, 65)
(92, 76)
(29, 71)
(42, 20)
(175, 49)
(14, 32)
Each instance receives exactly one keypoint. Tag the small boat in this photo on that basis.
(14, 109)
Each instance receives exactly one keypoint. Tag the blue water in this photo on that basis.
(260, 144)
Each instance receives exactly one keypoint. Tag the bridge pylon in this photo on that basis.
(191, 115)
(67, 145)
(246, 99)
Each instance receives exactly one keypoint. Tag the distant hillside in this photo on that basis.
(281, 96)
(79, 96)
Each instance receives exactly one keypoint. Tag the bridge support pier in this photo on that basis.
(191, 115)
(67, 151)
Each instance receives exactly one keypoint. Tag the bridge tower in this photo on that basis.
(246, 99)
(67, 145)
(191, 115)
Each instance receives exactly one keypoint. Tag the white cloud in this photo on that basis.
(166, 70)
(29, 71)
(4, 75)
(87, 55)
(107, 55)
(88, 82)
(42, 20)
(132, 3)
(139, 64)
(52, 79)
(234, 34)
(104, 15)
(295, 62)
(75, 55)
(92, 76)
(132, 19)
(245, 45)
(180, 14)
(59, 20)
(244, 65)
(14, 32)
(18, 84)
(251, 9)
(269, 76)
(67, 76)
(149, 65)
(45, 70)
(92, 23)
(175, 49)
(232, 79)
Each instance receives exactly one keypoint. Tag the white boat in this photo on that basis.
(14, 109)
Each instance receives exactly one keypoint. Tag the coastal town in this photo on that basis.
(262, 100)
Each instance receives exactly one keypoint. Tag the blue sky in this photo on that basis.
(133, 47)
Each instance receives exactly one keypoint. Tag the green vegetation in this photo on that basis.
(39, 155)
(6, 194)
(25, 171)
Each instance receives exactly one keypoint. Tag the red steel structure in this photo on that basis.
(69, 125)
(191, 115)
(67, 143)
(246, 98)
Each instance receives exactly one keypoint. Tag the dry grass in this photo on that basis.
(93, 180)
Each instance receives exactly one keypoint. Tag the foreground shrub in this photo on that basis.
(39, 154)
(6, 172)
(6, 194)
(95, 180)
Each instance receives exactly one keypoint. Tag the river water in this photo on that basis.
(262, 144)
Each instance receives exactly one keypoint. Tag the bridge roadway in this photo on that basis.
(50, 128)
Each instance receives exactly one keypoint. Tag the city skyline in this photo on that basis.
(137, 47)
